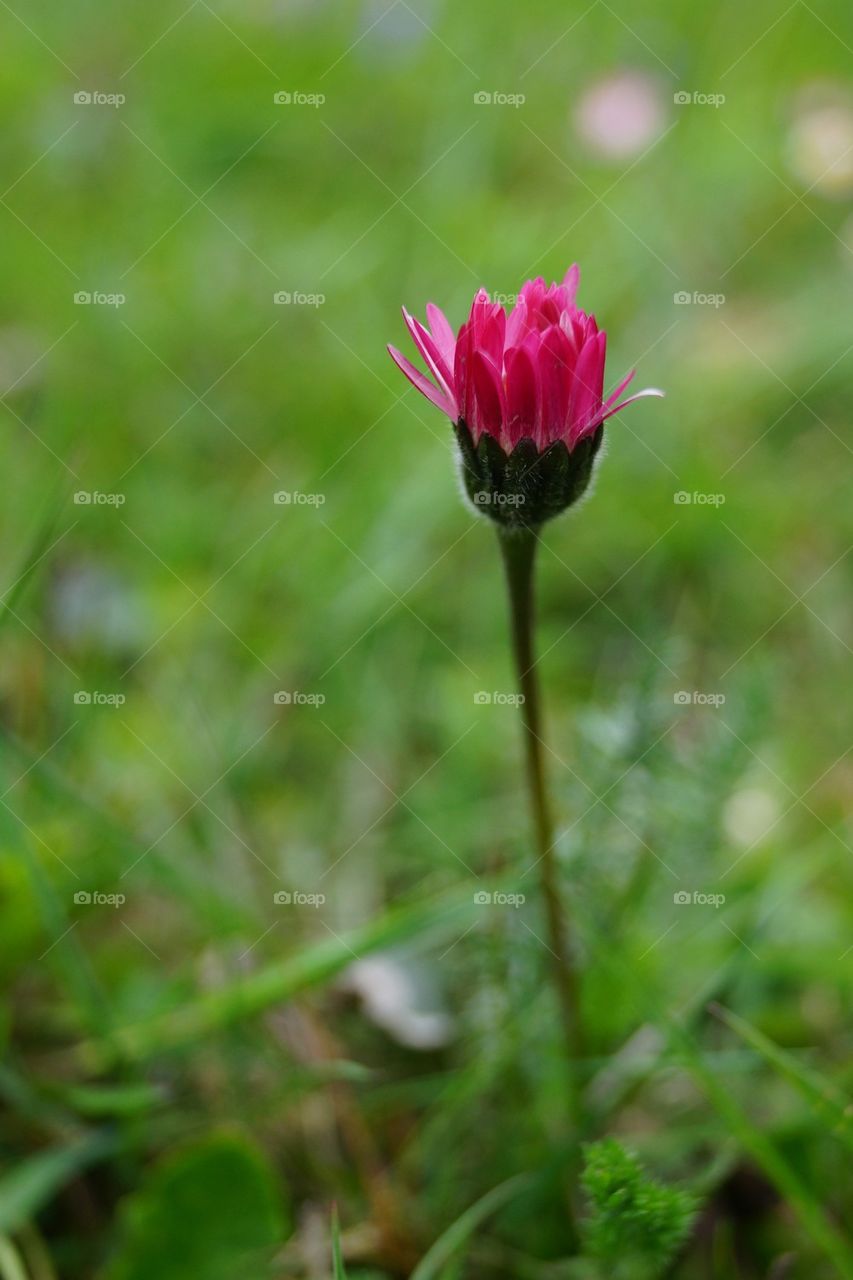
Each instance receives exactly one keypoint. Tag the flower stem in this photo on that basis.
(518, 547)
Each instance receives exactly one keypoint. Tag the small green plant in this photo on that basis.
(634, 1223)
(337, 1257)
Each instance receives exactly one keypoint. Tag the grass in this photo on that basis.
(200, 1005)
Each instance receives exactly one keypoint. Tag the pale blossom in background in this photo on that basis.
(819, 148)
(620, 115)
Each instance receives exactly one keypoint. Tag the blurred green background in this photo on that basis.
(193, 1074)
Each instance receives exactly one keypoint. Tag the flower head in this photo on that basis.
(530, 383)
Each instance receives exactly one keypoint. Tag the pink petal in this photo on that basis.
(614, 396)
(556, 364)
(490, 340)
(521, 395)
(432, 357)
(533, 295)
(462, 372)
(587, 388)
(479, 309)
(423, 384)
(649, 391)
(571, 280)
(517, 324)
(442, 333)
(490, 395)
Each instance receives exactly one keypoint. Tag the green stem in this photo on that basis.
(518, 547)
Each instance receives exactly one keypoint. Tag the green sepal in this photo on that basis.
(524, 488)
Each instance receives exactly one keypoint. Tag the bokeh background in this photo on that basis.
(210, 698)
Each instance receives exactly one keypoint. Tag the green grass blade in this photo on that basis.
(31, 1184)
(247, 996)
(829, 1100)
(337, 1258)
(777, 1169)
(11, 1264)
(451, 1240)
(763, 1151)
(42, 544)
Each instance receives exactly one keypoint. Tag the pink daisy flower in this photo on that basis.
(537, 373)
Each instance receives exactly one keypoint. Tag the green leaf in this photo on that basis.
(451, 1240)
(209, 1211)
(25, 1189)
(109, 1099)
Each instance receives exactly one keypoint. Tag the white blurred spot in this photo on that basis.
(92, 606)
(749, 816)
(620, 115)
(820, 141)
(388, 26)
(399, 997)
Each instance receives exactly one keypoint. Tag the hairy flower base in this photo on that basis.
(524, 488)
